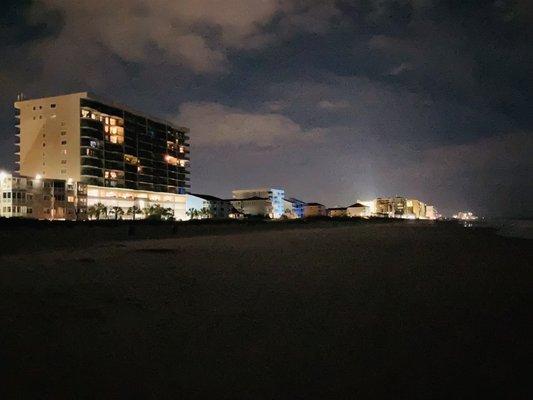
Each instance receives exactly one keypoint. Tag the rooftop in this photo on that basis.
(94, 97)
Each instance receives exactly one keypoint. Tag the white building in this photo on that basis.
(260, 202)
(358, 210)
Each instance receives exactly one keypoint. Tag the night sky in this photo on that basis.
(332, 101)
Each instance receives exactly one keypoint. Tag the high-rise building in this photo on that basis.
(125, 157)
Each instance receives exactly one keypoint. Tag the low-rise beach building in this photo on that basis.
(265, 202)
(208, 206)
(337, 212)
(358, 210)
(294, 208)
(314, 210)
(39, 198)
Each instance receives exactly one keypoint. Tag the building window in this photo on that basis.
(52, 105)
(63, 133)
(63, 161)
(63, 142)
(63, 171)
(64, 151)
(44, 144)
(29, 210)
(40, 117)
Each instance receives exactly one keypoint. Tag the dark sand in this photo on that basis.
(337, 311)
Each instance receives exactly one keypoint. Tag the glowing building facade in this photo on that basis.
(260, 202)
(124, 157)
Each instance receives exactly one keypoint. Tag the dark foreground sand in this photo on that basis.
(377, 310)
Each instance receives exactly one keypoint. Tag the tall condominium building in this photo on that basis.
(124, 157)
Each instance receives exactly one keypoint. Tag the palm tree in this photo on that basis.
(157, 212)
(133, 210)
(193, 213)
(118, 212)
(205, 213)
(97, 210)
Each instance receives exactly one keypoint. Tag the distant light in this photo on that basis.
(38, 177)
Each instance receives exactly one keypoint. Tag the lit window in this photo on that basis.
(64, 151)
(131, 159)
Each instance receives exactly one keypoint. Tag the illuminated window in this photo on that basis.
(132, 160)
(64, 151)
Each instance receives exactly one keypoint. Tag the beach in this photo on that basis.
(317, 310)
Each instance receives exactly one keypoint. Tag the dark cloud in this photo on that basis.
(334, 100)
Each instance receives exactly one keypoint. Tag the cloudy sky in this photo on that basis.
(333, 101)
